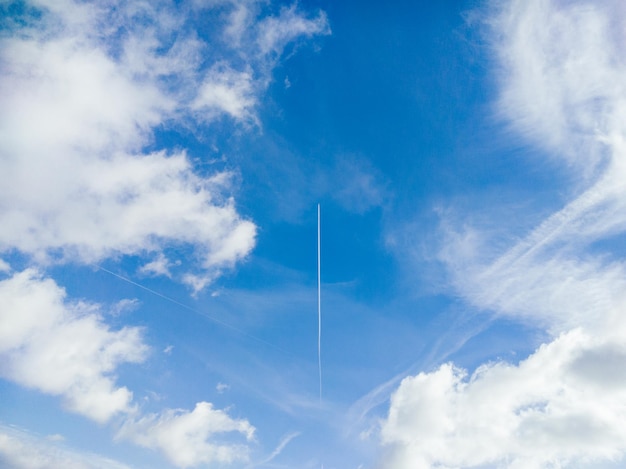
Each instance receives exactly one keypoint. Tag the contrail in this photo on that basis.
(319, 304)
(189, 308)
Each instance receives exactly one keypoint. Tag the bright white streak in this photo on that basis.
(319, 304)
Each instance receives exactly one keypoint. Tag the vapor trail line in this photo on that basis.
(319, 303)
(193, 310)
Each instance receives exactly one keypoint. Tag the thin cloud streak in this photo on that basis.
(279, 449)
(21, 450)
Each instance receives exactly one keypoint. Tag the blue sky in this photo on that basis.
(162, 163)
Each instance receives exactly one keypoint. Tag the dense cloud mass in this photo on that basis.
(84, 85)
(562, 86)
(74, 122)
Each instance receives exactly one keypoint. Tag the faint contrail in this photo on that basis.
(284, 442)
(319, 304)
(189, 308)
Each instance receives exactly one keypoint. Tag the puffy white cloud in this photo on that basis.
(188, 438)
(558, 405)
(562, 85)
(81, 101)
(73, 124)
(64, 348)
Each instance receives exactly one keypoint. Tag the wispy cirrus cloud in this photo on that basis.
(562, 74)
(275, 32)
(21, 450)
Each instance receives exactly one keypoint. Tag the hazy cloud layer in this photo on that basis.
(562, 79)
(20, 450)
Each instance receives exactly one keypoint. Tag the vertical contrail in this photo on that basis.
(319, 304)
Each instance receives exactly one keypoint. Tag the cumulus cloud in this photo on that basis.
(81, 101)
(74, 120)
(562, 86)
(187, 438)
(555, 406)
(64, 348)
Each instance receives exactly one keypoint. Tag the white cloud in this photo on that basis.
(64, 348)
(239, 22)
(20, 450)
(185, 438)
(85, 85)
(76, 189)
(279, 449)
(124, 306)
(159, 266)
(275, 32)
(562, 82)
(79, 188)
(221, 387)
(80, 101)
(563, 78)
(557, 405)
(226, 91)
